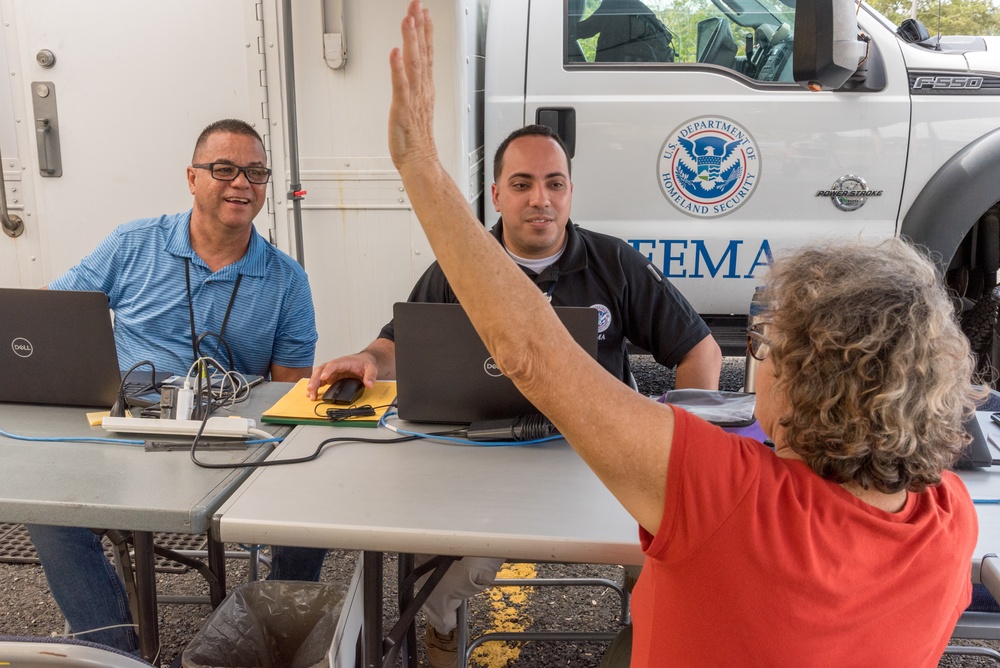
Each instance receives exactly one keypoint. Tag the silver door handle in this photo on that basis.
(12, 225)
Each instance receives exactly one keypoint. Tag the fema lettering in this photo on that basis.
(691, 258)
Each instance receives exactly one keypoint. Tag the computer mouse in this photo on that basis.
(344, 391)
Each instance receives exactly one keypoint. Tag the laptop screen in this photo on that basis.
(57, 347)
(444, 372)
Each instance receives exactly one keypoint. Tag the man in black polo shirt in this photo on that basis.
(574, 267)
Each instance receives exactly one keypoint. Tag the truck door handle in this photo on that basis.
(562, 121)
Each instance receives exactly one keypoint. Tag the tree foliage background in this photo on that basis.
(958, 17)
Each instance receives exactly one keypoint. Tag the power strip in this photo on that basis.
(230, 427)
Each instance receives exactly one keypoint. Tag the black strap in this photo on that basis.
(225, 320)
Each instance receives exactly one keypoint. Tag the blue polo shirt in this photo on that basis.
(140, 267)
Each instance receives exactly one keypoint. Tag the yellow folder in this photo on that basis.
(296, 408)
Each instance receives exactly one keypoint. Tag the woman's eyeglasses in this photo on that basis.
(758, 345)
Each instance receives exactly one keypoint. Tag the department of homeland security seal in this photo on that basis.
(709, 167)
(603, 317)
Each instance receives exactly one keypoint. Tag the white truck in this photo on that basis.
(693, 143)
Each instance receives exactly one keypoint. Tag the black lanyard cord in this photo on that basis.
(195, 339)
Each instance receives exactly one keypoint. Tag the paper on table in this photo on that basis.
(296, 408)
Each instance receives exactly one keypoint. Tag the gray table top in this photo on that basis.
(111, 485)
(537, 503)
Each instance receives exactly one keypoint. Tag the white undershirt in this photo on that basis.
(538, 266)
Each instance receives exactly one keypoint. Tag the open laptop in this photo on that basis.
(444, 372)
(57, 347)
(978, 454)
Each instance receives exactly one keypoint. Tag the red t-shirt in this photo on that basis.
(760, 562)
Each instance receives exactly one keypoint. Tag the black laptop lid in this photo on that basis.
(978, 454)
(444, 372)
(57, 347)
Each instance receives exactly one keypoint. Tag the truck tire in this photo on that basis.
(980, 324)
(980, 321)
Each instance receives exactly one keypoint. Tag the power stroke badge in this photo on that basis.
(849, 193)
(709, 167)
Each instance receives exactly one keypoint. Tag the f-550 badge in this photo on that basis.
(709, 167)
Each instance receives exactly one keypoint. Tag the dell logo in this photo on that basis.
(21, 347)
(491, 368)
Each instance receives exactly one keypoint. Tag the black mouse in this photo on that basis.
(344, 391)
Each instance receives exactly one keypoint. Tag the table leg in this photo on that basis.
(217, 565)
(372, 631)
(145, 587)
(405, 595)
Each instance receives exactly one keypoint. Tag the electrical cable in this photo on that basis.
(121, 406)
(341, 413)
(299, 460)
(71, 439)
(460, 441)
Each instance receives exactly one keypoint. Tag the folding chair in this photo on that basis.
(28, 651)
(465, 647)
(981, 625)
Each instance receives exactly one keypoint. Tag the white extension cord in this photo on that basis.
(229, 427)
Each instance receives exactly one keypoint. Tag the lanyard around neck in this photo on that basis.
(225, 319)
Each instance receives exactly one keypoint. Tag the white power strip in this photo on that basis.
(216, 426)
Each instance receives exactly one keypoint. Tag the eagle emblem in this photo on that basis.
(708, 167)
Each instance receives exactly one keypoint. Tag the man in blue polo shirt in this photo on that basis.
(171, 280)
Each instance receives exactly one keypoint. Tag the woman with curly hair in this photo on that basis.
(849, 543)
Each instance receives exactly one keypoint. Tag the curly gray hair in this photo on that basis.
(871, 363)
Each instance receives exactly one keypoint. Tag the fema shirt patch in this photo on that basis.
(708, 167)
(603, 317)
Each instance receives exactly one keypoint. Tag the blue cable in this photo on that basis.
(261, 441)
(461, 441)
(70, 439)
(986, 501)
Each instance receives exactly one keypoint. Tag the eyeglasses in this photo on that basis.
(758, 345)
(223, 171)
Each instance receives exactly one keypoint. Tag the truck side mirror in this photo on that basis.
(826, 48)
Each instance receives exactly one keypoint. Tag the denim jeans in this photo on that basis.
(296, 563)
(85, 585)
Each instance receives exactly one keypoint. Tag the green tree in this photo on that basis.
(958, 17)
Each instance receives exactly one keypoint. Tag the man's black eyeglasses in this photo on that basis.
(223, 171)
(758, 345)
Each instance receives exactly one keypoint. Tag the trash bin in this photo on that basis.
(269, 624)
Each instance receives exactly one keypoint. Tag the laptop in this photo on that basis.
(444, 372)
(978, 453)
(57, 347)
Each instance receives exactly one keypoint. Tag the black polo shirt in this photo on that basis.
(634, 300)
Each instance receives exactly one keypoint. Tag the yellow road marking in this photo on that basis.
(507, 615)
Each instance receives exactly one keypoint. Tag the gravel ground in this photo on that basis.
(26, 608)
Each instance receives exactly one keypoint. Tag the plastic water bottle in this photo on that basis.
(755, 315)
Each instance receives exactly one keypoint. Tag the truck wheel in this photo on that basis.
(972, 282)
(980, 324)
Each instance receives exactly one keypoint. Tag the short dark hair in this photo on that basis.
(528, 131)
(230, 125)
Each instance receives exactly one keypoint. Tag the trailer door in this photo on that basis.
(101, 109)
